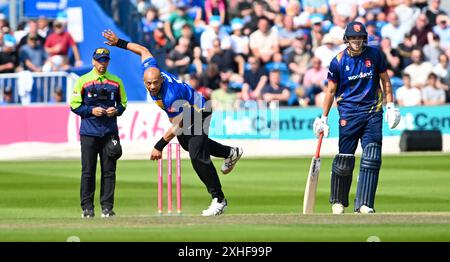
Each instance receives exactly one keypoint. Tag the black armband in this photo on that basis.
(161, 144)
(122, 43)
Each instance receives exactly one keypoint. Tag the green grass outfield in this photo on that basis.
(40, 202)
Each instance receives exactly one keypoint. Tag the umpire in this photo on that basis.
(98, 98)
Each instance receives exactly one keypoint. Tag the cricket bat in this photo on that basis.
(309, 198)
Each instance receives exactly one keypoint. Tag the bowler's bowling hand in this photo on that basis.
(156, 154)
(111, 37)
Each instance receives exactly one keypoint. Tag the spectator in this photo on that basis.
(313, 82)
(44, 29)
(149, 23)
(164, 8)
(338, 29)
(422, 31)
(160, 46)
(301, 19)
(418, 70)
(32, 31)
(241, 8)
(57, 46)
(298, 59)
(7, 97)
(370, 6)
(239, 42)
(254, 80)
(32, 55)
(373, 38)
(259, 11)
(177, 20)
(274, 90)
(8, 37)
(264, 41)
(344, 8)
(381, 21)
(442, 69)
(57, 96)
(196, 11)
(433, 11)
(223, 98)
(392, 56)
(327, 50)
(179, 59)
(432, 50)
(186, 32)
(288, 33)
(394, 30)
(316, 32)
(405, 48)
(215, 8)
(20, 32)
(227, 59)
(432, 94)
(407, 13)
(316, 7)
(198, 61)
(442, 29)
(408, 95)
(6, 56)
(210, 78)
(208, 36)
(3, 20)
(142, 7)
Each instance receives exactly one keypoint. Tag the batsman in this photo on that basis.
(354, 80)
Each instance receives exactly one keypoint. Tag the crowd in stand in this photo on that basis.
(238, 51)
(37, 46)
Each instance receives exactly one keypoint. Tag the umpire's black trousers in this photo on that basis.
(91, 147)
(201, 148)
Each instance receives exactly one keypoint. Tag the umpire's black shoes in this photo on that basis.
(108, 213)
(87, 213)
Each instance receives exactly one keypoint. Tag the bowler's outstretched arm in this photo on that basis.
(113, 40)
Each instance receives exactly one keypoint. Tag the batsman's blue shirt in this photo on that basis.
(174, 93)
(358, 81)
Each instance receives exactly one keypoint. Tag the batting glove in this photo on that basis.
(392, 115)
(321, 125)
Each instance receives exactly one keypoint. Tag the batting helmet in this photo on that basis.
(355, 29)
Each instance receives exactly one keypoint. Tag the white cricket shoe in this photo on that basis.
(230, 161)
(337, 208)
(215, 208)
(366, 210)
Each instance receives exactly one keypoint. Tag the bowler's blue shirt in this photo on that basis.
(174, 93)
(358, 81)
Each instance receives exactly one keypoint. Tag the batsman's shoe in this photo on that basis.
(87, 213)
(366, 210)
(337, 209)
(216, 208)
(230, 162)
(108, 213)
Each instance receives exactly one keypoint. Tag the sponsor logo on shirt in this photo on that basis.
(343, 122)
(361, 75)
(368, 63)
